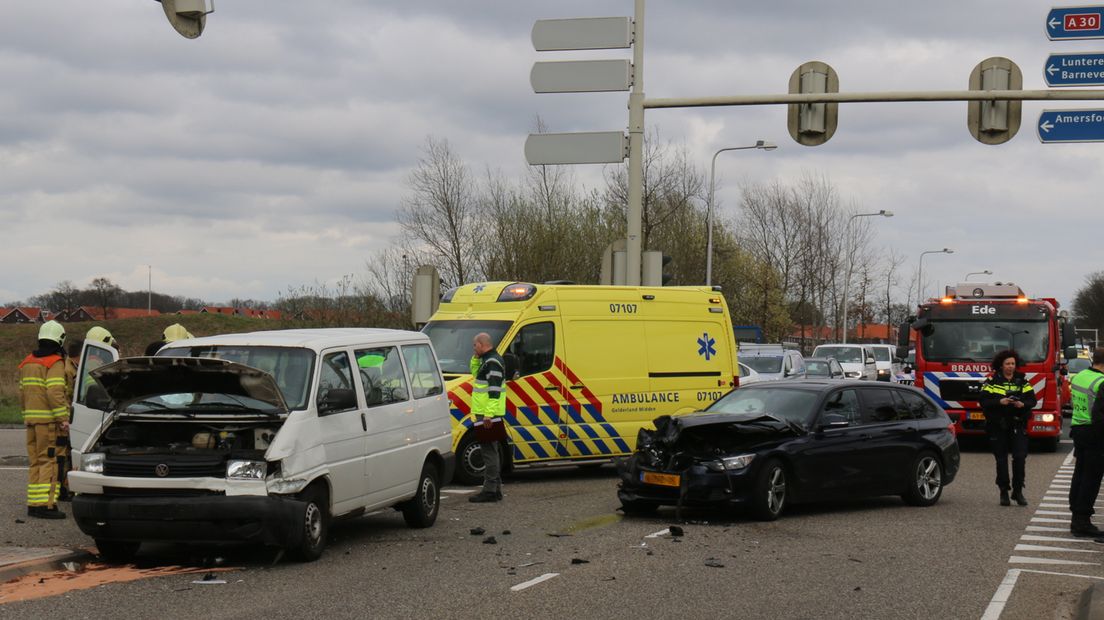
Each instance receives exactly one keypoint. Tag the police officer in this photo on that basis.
(1007, 399)
(42, 398)
(1087, 431)
(488, 405)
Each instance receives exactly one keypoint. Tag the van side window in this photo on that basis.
(94, 357)
(425, 379)
(534, 347)
(381, 376)
(335, 384)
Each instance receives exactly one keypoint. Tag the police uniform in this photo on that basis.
(1087, 431)
(489, 401)
(1006, 426)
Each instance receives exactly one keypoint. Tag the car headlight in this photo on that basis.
(737, 462)
(92, 462)
(246, 470)
(853, 375)
(287, 486)
(1044, 417)
(883, 372)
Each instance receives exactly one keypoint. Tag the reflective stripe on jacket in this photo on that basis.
(488, 378)
(1084, 386)
(42, 388)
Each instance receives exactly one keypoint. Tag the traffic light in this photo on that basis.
(995, 122)
(813, 123)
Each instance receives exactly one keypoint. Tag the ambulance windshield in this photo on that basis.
(452, 341)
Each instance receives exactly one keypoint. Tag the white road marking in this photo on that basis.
(1048, 520)
(15, 468)
(1040, 528)
(1053, 506)
(458, 491)
(1056, 538)
(665, 531)
(532, 582)
(1001, 596)
(1025, 560)
(1052, 512)
(1046, 548)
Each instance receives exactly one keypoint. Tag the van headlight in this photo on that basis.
(93, 462)
(246, 470)
(287, 486)
(852, 375)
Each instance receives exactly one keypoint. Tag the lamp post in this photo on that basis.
(920, 272)
(149, 290)
(978, 273)
(850, 263)
(759, 144)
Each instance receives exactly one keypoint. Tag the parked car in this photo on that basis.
(857, 359)
(774, 443)
(261, 437)
(748, 375)
(773, 361)
(823, 368)
(907, 376)
(886, 360)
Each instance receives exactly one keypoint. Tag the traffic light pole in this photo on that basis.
(633, 246)
(878, 97)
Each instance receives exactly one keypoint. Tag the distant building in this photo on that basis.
(96, 313)
(23, 315)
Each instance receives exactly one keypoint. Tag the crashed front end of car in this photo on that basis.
(702, 459)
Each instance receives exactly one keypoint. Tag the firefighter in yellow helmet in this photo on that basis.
(172, 333)
(42, 389)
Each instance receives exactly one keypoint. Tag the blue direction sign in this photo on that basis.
(1075, 69)
(1075, 22)
(1056, 126)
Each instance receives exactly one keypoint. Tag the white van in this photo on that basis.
(857, 359)
(260, 437)
(889, 364)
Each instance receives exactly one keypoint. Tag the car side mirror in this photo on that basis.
(337, 399)
(906, 369)
(1071, 353)
(833, 420)
(97, 398)
(1062, 370)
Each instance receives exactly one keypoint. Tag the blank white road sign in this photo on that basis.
(584, 33)
(581, 76)
(594, 147)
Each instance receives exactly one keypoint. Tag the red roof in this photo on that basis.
(97, 313)
(217, 310)
(187, 311)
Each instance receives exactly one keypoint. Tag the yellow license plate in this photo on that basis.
(664, 480)
(977, 415)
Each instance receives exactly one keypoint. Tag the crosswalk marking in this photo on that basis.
(1046, 548)
(1028, 560)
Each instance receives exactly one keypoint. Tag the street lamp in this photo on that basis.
(978, 273)
(920, 273)
(850, 263)
(759, 144)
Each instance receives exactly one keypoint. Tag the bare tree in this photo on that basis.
(441, 212)
(105, 291)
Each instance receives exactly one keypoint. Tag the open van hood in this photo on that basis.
(144, 377)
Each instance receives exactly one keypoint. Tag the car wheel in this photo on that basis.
(421, 510)
(469, 457)
(314, 521)
(117, 551)
(638, 508)
(925, 480)
(769, 493)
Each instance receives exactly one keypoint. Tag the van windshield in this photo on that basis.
(882, 354)
(843, 355)
(452, 341)
(291, 367)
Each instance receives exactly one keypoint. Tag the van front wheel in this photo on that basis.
(314, 521)
(421, 510)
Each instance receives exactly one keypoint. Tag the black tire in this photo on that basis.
(469, 461)
(769, 497)
(314, 521)
(421, 510)
(925, 480)
(638, 508)
(117, 551)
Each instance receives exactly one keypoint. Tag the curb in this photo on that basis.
(49, 563)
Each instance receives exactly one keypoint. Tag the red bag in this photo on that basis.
(497, 431)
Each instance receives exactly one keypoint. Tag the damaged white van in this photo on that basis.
(261, 437)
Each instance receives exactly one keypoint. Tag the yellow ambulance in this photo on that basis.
(593, 364)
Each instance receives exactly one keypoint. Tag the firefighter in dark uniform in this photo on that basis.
(1007, 399)
(1087, 431)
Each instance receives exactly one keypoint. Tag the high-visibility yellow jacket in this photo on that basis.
(42, 390)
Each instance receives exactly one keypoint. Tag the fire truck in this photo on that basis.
(958, 335)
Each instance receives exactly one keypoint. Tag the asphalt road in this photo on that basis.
(873, 558)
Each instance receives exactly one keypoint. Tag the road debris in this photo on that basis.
(477, 531)
(713, 563)
(490, 540)
(579, 561)
(675, 530)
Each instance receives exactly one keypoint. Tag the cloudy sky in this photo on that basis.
(273, 150)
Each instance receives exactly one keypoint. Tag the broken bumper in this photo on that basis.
(257, 519)
(698, 486)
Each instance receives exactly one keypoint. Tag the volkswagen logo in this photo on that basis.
(161, 470)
